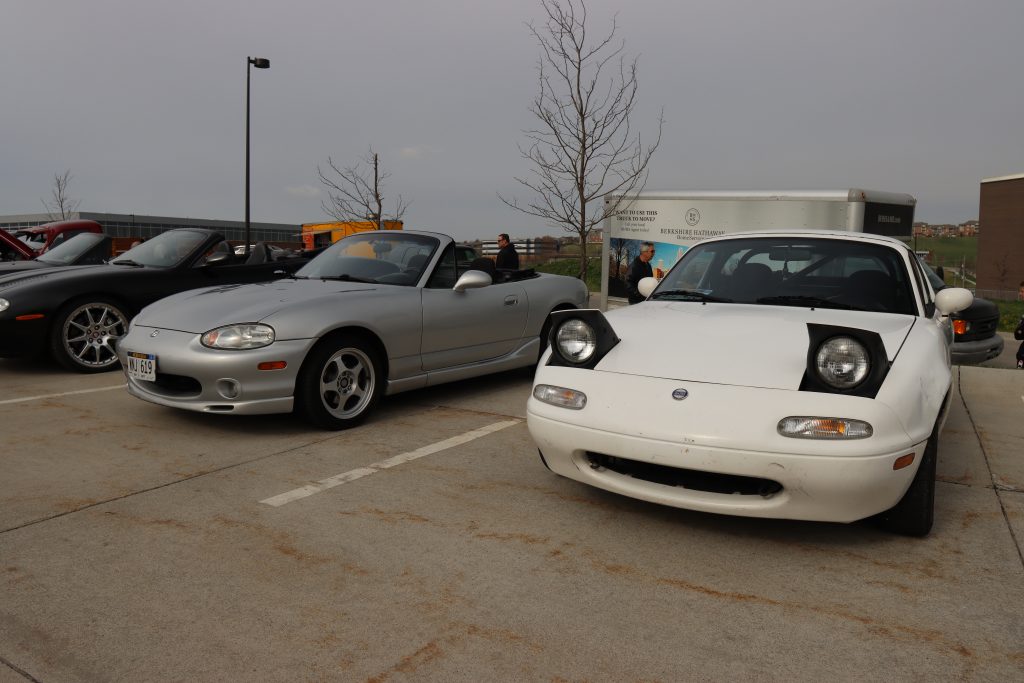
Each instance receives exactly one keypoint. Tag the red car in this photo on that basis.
(41, 238)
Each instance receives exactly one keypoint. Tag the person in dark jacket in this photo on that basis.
(508, 257)
(638, 270)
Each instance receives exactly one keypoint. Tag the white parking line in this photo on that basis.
(352, 475)
(66, 393)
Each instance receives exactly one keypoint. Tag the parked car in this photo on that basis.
(801, 375)
(975, 329)
(42, 238)
(87, 248)
(376, 313)
(79, 312)
(13, 249)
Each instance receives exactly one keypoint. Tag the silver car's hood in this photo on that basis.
(200, 310)
(737, 344)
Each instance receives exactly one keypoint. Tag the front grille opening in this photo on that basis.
(695, 480)
(174, 385)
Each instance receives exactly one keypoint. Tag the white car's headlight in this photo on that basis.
(245, 336)
(4, 305)
(842, 362)
(576, 340)
(824, 428)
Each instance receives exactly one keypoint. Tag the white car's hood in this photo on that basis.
(199, 310)
(738, 344)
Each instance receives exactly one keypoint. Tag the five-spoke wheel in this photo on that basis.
(339, 383)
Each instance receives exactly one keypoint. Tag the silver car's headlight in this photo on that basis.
(245, 336)
(576, 340)
(842, 362)
(4, 305)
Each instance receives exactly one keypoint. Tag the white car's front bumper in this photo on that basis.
(724, 430)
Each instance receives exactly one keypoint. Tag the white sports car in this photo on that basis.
(788, 374)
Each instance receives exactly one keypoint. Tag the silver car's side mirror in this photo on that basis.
(646, 286)
(953, 299)
(472, 279)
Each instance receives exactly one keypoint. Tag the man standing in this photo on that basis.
(638, 270)
(508, 257)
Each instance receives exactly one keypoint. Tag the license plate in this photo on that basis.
(142, 366)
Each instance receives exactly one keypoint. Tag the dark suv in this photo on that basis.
(975, 339)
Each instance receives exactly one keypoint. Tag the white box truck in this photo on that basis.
(676, 220)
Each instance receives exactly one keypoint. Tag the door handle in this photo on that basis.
(511, 300)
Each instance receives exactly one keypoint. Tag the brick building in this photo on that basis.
(1001, 244)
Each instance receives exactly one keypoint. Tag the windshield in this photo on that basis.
(391, 257)
(69, 251)
(792, 271)
(166, 250)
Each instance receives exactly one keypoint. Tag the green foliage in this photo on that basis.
(948, 250)
(1010, 313)
(570, 267)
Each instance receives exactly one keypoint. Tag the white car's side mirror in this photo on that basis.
(953, 299)
(646, 286)
(472, 279)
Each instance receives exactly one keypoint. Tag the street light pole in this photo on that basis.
(259, 63)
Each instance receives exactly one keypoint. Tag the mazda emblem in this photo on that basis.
(154, 333)
(680, 394)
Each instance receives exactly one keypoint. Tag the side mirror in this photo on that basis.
(951, 300)
(472, 279)
(646, 286)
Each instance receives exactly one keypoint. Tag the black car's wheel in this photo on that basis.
(85, 334)
(339, 383)
(914, 514)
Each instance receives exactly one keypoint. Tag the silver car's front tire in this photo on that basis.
(339, 383)
(85, 334)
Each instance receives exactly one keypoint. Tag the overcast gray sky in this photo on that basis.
(145, 101)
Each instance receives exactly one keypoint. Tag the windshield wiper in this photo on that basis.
(812, 301)
(345, 277)
(688, 295)
(127, 262)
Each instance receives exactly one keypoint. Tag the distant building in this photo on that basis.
(1001, 247)
(139, 226)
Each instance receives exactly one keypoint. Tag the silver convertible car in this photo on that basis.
(376, 313)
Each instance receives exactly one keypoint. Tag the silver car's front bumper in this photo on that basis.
(193, 377)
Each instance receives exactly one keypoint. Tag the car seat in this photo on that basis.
(486, 265)
(873, 290)
(751, 281)
(259, 254)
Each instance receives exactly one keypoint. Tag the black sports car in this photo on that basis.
(87, 248)
(79, 312)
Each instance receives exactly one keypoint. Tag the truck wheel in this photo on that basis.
(339, 383)
(914, 514)
(85, 333)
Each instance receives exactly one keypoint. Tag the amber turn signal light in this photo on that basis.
(273, 365)
(903, 461)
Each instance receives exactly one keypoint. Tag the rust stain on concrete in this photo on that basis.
(521, 537)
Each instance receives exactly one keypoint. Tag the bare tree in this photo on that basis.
(61, 206)
(584, 150)
(357, 193)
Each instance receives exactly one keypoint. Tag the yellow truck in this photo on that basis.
(315, 235)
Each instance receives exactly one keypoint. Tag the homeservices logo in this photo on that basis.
(692, 217)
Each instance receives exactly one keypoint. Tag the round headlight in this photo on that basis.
(842, 362)
(4, 305)
(239, 337)
(576, 341)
